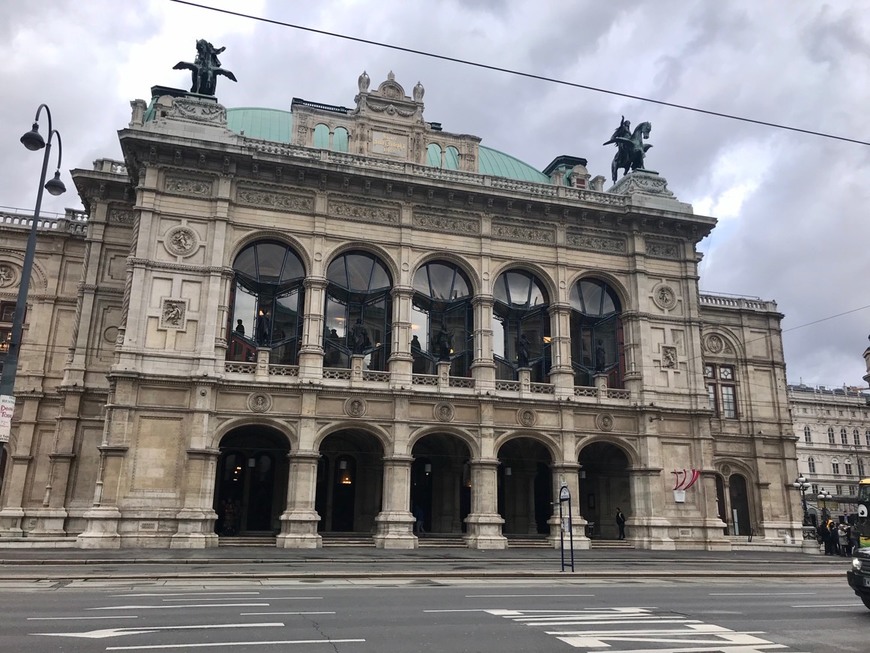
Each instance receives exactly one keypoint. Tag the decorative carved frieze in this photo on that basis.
(172, 314)
(188, 108)
(272, 200)
(522, 233)
(447, 223)
(643, 182)
(385, 214)
(662, 249)
(596, 243)
(121, 216)
(187, 186)
(9, 274)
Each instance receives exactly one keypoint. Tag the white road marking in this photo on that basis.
(178, 607)
(762, 593)
(474, 610)
(829, 605)
(185, 594)
(145, 630)
(119, 616)
(522, 596)
(228, 644)
(253, 614)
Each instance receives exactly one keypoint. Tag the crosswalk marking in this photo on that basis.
(654, 631)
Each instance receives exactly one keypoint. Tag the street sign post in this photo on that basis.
(565, 497)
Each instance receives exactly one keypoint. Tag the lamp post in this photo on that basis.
(33, 141)
(824, 496)
(802, 485)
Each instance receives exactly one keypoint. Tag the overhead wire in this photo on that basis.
(520, 73)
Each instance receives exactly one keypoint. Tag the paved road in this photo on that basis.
(398, 616)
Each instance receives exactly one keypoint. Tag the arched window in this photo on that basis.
(844, 436)
(442, 319)
(433, 155)
(267, 301)
(831, 435)
(358, 315)
(521, 326)
(451, 158)
(321, 136)
(835, 466)
(811, 465)
(808, 436)
(596, 333)
(339, 140)
(856, 437)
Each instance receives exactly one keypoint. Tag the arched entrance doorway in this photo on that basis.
(732, 497)
(525, 487)
(251, 485)
(604, 487)
(349, 482)
(441, 483)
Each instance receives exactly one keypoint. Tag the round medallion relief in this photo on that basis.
(714, 344)
(527, 417)
(110, 334)
(604, 422)
(259, 402)
(444, 412)
(664, 297)
(181, 241)
(355, 407)
(8, 275)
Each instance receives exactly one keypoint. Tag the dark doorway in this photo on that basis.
(739, 506)
(525, 487)
(441, 484)
(604, 487)
(251, 485)
(349, 482)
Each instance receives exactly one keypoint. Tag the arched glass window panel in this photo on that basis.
(596, 333)
(321, 136)
(811, 465)
(266, 303)
(844, 436)
(856, 437)
(339, 140)
(358, 311)
(433, 155)
(521, 326)
(830, 435)
(442, 319)
(451, 158)
(808, 435)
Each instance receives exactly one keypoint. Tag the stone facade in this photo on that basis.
(509, 338)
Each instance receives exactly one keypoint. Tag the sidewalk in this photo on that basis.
(355, 562)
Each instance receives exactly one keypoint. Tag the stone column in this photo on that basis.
(311, 351)
(561, 372)
(299, 521)
(483, 365)
(196, 519)
(401, 361)
(395, 523)
(567, 474)
(101, 531)
(484, 522)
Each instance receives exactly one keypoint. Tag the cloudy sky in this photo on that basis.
(793, 209)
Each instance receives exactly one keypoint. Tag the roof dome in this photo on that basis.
(276, 126)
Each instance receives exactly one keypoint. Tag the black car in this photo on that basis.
(859, 576)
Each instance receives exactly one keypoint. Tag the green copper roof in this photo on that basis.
(277, 126)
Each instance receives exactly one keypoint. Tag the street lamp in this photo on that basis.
(825, 496)
(33, 141)
(802, 485)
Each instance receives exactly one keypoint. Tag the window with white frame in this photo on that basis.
(808, 435)
(856, 437)
(830, 435)
(844, 437)
(721, 389)
(811, 465)
(848, 466)
(835, 467)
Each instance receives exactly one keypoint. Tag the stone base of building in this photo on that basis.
(484, 532)
(395, 531)
(102, 529)
(11, 522)
(195, 530)
(47, 521)
(299, 530)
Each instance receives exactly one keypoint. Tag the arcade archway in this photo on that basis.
(441, 483)
(604, 487)
(349, 482)
(525, 487)
(251, 484)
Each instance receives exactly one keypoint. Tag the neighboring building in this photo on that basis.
(833, 430)
(330, 320)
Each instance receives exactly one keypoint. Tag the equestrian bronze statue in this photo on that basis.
(630, 147)
(205, 69)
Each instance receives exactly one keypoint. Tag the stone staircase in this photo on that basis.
(611, 544)
(246, 540)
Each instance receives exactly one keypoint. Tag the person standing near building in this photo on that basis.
(620, 523)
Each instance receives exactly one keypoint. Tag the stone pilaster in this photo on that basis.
(395, 523)
(299, 521)
(484, 522)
